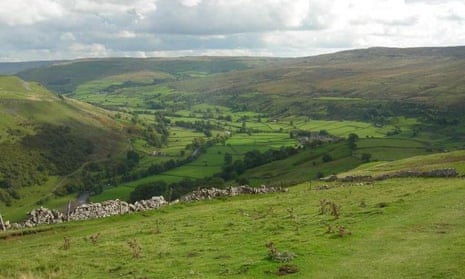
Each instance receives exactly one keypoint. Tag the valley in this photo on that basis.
(130, 129)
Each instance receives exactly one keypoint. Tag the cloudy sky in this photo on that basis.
(66, 29)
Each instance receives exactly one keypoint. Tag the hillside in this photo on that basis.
(402, 228)
(44, 138)
(11, 68)
(66, 76)
(426, 75)
(130, 129)
(455, 160)
(370, 85)
(187, 114)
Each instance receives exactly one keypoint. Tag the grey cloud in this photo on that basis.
(280, 27)
(407, 21)
(209, 17)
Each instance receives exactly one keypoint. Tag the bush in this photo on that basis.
(326, 158)
(366, 157)
(145, 191)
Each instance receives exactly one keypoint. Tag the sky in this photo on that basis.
(70, 29)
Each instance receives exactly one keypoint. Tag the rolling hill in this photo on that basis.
(213, 121)
(401, 102)
(11, 68)
(64, 77)
(427, 75)
(370, 85)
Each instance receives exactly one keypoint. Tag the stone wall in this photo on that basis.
(449, 172)
(88, 211)
(211, 193)
(104, 209)
(114, 207)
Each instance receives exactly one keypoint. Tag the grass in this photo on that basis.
(122, 192)
(25, 107)
(30, 196)
(305, 166)
(455, 159)
(344, 128)
(261, 140)
(207, 164)
(273, 101)
(397, 228)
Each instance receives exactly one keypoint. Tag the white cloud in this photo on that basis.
(57, 29)
(126, 34)
(24, 12)
(90, 50)
(191, 3)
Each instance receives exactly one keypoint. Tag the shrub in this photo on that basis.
(326, 158)
(136, 249)
(277, 256)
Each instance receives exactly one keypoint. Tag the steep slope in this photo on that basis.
(43, 136)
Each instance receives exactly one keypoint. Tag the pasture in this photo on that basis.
(402, 228)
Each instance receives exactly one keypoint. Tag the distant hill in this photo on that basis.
(413, 93)
(420, 75)
(425, 75)
(10, 68)
(65, 77)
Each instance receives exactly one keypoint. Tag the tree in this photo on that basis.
(366, 157)
(132, 159)
(242, 181)
(351, 141)
(243, 127)
(352, 137)
(323, 133)
(147, 191)
(228, 158)
(326, 158)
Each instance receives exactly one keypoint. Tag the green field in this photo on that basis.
(419, 163)
(109, 124)
(166, 109)
(403, 228)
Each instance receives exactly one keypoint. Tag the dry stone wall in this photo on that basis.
(211, 193)
(89, 211)
(448, 172)
(104, 209)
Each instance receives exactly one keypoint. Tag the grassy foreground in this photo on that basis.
(400, 228)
